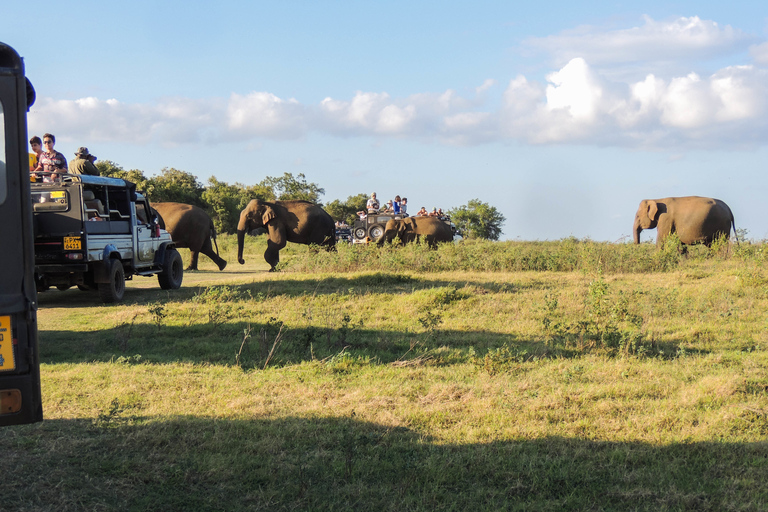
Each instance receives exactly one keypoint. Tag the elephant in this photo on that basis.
(300, 222)
(190, 227)
(696, 220)
(412, 229)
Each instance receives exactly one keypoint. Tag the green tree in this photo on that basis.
(111, 169)
(477, 219)
(260, 192)
(224, 201)
(288, 187)
(346, 211)
(176, 186)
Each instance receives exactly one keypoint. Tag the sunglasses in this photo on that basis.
(47, 142)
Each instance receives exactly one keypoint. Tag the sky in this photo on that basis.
(562, 115)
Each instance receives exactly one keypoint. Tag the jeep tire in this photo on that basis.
(173, 271)
(376, 232)
(113, 290)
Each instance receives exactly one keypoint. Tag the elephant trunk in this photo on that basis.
(637, 230)
(240, 243)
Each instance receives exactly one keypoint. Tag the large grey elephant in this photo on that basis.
(430, 230)
(300, 222)
(190, 227)
(696, 220)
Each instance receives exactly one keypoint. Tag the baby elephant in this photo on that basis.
(190, 227)
(696, 220)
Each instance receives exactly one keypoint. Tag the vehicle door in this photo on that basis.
(146, 241)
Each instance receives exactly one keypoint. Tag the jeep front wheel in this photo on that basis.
(173, 271)
(114, 289)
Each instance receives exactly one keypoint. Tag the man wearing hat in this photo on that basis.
(373, 204)
(83, 163)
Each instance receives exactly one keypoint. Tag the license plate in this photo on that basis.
(7, 361)
(72, 243)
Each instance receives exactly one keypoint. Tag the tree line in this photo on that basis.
(224, 201)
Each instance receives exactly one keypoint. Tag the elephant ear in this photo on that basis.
(268, 215)
(653, 210)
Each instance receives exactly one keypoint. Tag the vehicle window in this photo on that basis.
(141, 214)
(3, 177)
(50, 201)
(119, 204)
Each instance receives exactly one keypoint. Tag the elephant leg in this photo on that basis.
(193, 261)
(330, 245)
(207, 249)
(272, 254)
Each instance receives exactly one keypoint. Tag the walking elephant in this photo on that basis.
(413, 229)
(300, 222)
(696, 220)
(190, 227)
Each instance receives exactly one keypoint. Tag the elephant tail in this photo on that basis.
(213, 237)
(735, 234)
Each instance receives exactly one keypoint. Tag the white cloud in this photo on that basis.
(576, 105)
(265, 115)
(681, 38)
(580, 106)
(577, 102)
(86, 120)
(488, 84)
(687, 102)
(739, 94)
(371, 113)
(575, 89)
(759, 53)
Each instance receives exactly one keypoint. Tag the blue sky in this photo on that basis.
(562, 115)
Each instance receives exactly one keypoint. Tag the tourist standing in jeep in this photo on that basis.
(51, 162)
(83, 163)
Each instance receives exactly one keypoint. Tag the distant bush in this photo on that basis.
(567, 255)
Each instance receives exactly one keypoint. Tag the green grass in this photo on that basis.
(409, 379)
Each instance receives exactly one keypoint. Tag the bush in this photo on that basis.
(567, 255)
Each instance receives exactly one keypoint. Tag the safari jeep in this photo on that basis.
(372, 227)
(95, 232)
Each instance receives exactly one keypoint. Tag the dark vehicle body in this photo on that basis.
(20, 398)
(344, 235)
(96, 232)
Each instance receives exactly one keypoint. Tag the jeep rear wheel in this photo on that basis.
(173, 271)
(376, 232)
(113, 290)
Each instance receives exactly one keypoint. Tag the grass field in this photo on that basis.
(568, 375)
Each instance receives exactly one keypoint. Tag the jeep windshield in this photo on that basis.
(50, 201)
